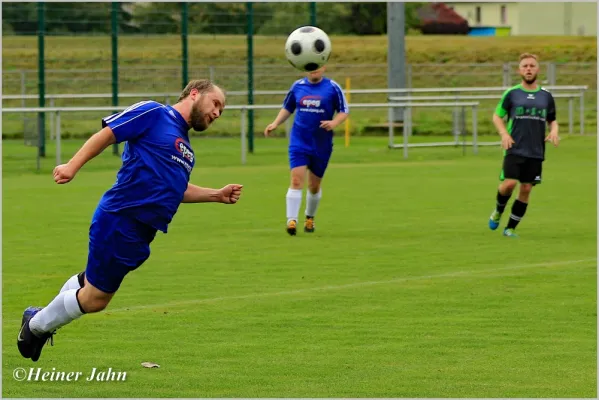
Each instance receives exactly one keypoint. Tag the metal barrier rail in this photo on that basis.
(244, 108)
(274, 92)
(461, 97)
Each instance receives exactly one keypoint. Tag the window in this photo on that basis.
(478, 17)
(503, 15)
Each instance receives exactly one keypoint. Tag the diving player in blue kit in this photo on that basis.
(316, 100)
(151, 184)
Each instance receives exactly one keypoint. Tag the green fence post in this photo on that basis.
(313, 13)
(41, 28)
(250, 55)
(115, 62)
(184, 55)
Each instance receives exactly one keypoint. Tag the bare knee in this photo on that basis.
(92, 299)
(524, 194)
(507, 187)
(296, 182)
(297, 178)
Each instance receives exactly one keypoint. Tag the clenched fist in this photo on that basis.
(64, 173)
(230, 194)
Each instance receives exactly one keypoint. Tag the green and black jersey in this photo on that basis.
(529, 112)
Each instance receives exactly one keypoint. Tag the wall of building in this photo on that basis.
(490, 13)
(584, 19)
(539, 18)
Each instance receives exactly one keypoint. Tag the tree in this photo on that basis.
(67, 18)
(19, 18)
(64, 18)
(211, 18)
(156, 18)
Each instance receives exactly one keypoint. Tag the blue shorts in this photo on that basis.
(317, 164)
(118, 244)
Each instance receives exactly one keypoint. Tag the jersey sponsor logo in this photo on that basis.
(311, 104)
(185, 151)
(310, 101)
(535, 113)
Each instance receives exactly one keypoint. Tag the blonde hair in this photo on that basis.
(201, 85)
(528, 55)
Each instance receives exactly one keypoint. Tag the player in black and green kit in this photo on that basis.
(530, 110)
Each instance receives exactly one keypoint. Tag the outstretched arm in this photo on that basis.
(195, 194)
(91, 148)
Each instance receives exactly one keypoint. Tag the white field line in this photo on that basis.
(349, 285)
(455, 274)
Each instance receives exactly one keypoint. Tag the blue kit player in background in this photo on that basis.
(150, 185)
(315, 99)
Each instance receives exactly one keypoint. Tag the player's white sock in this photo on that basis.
(62, 310)
(72, 283)
(294, 202)
(312, 201)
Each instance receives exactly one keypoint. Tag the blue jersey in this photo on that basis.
(314, 102)
(157, 163)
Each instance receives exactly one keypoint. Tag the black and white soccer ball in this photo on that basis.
(308, 48)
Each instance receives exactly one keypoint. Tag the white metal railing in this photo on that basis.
(407, 126)
(458, 94)
(462, 97)
(168, 95)
(244, 108)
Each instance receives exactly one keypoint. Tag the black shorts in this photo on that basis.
(523, 169)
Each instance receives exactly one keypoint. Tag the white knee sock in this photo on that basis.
(294, 201)
(312, 201)
(72, 283)
(62, 310)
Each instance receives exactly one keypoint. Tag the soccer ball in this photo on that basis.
(308, 48)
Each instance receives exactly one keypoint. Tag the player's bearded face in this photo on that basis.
(199, 121)
(529, 77)
(529, 70)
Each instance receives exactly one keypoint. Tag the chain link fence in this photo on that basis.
(149, 37)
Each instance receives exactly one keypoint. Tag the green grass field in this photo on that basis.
(403, 291)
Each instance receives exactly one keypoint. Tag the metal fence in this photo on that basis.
(148, 48)
(58, 111)
(448, 122)
(92, 87)
(411, 99)
(573, 95)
